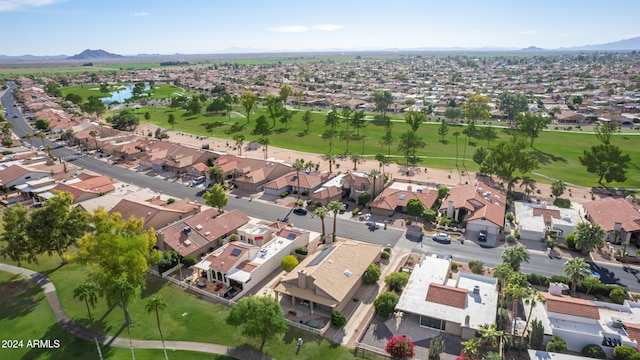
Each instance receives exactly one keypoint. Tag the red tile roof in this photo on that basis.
(390, 198)
(634, 332)
(479, 204)
(447, 295)
(608, 211)
(547, 214)
(571, 306)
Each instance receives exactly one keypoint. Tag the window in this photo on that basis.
(432, 322)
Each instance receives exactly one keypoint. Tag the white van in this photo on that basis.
(198, 180)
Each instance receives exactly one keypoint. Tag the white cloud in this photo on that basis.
(289, 28)
(142, 13)
(8, 5)
(328, 27)
(530, 32)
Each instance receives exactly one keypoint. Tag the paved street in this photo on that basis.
(540, 263)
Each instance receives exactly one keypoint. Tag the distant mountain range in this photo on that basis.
(621, 45)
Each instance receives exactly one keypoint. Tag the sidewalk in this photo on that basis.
(84, 333)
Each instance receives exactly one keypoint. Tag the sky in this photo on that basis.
(130, 27)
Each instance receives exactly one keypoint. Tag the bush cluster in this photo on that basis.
(476, 266)
(302, 250)
(284, 194)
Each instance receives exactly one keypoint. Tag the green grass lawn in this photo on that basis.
(557, 151)
(186, 318)
(162, 91)
(25, 315)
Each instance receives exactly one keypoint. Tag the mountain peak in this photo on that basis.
(94, 54)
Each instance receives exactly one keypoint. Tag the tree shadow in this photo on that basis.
(235, 128)
(19, 297)
(280, 130)
(50, 271)
(153, 287)
(444, 142)
(546, 158)
(67, 346)
(303, 133)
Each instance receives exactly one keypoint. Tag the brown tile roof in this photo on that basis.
(472, 198)
(447, 295)
(326, 193)
(390, 198)
(307, 181)
(571, 306)
(232, 256)
(547, 214)
(607, 211)
(634, 332)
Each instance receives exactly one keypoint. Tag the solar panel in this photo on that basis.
(291, 236)
(323, 254)
(236, 252)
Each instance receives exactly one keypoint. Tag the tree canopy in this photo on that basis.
(512, 104)
(476, 107)
(531, 124)
(589, 236)
(259, 317)
(382, 99)
(216, 196)
(607, 162)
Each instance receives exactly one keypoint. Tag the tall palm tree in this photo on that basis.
(29, 136)
(239, 139)
(335, 207)
(515, 256)
(529, 185)
(321, 212)
(86, 291)
(154, 304)
(382, 160)
(120, 293)
(557, 188)
(373, 175)
(331, 159)
(298, 165)
(42, 135)
(264, 141)
(576, 269)
(94, 135)
(515, 292)
(456, 134)
(534, 298)
(489, 335)
(309, 165)
(356, 159)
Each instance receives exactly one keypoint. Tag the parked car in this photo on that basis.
(345, 207)
(482, 235)
(442, 238)
(372, 225)
(447, 256)
(300, 211)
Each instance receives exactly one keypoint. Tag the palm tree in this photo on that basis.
(373, 175)
(42, 135)
(215, 175)
(86, 291)
(321, 212)
(515, 256)
(382, 160)
(154, 304)
(120, 293)
(239, 139)
(335, 207)
(331, 159)
(29, 136)
(297, 166)
(534, 297)
(456, 134)
(529, 185)
(515, 292)
(557, 188)
(576, 269)
(489, 335)
(309, 165)
(356, 159)
(264, 141)
(94, 135)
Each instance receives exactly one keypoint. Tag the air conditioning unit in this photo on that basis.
(616, 322)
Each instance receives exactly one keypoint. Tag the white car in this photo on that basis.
(442, 238)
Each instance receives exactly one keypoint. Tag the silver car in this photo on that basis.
(442, 238)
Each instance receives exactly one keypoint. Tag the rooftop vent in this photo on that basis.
(347, 273)
(186, 229)
(207, 233)
(187, 242)
(198, 227)
(476, 290)
(616, 322)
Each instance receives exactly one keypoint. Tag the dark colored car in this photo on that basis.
(300, 211)
(482, 236)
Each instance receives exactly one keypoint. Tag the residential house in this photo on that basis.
(580, 322)
(394, 199)
(356, 183)
(535, 220)
(242, 265)
(480, 205)
(179, 160)
(156, 212)
(569, 117)
(328, 278)
(17, 173)
(620, 218)
(250, 174)
(201, 233)
(86, 186)
(458, 305)
(308, 182)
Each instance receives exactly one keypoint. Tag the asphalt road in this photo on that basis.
(540, 263)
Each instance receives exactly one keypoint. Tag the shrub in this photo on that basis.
(491, 356)
(537, 279)
(618, 294)
(557, 344)
(454, 266)
(563, 246)
(571, 241)
(476, 266)
(305, 192)
(594, 351)
(560, 279)
(562, 203)
(284, 194)
(400, 347)
(386, 303)
(302, 250)
(511, 239)
(436, 347)
(516, 234)
(396, 281)
(407, 221)
(537, 334)
(355, 211)
(171, 201)
(385, 255)
(430, 215)
(364, 198)
(509, 215)
(625, 352)
(189, 260)
(371, 275)
(338, 320)
(169, 259)
(288, 263)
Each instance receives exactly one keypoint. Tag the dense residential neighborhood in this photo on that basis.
(420, 265)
